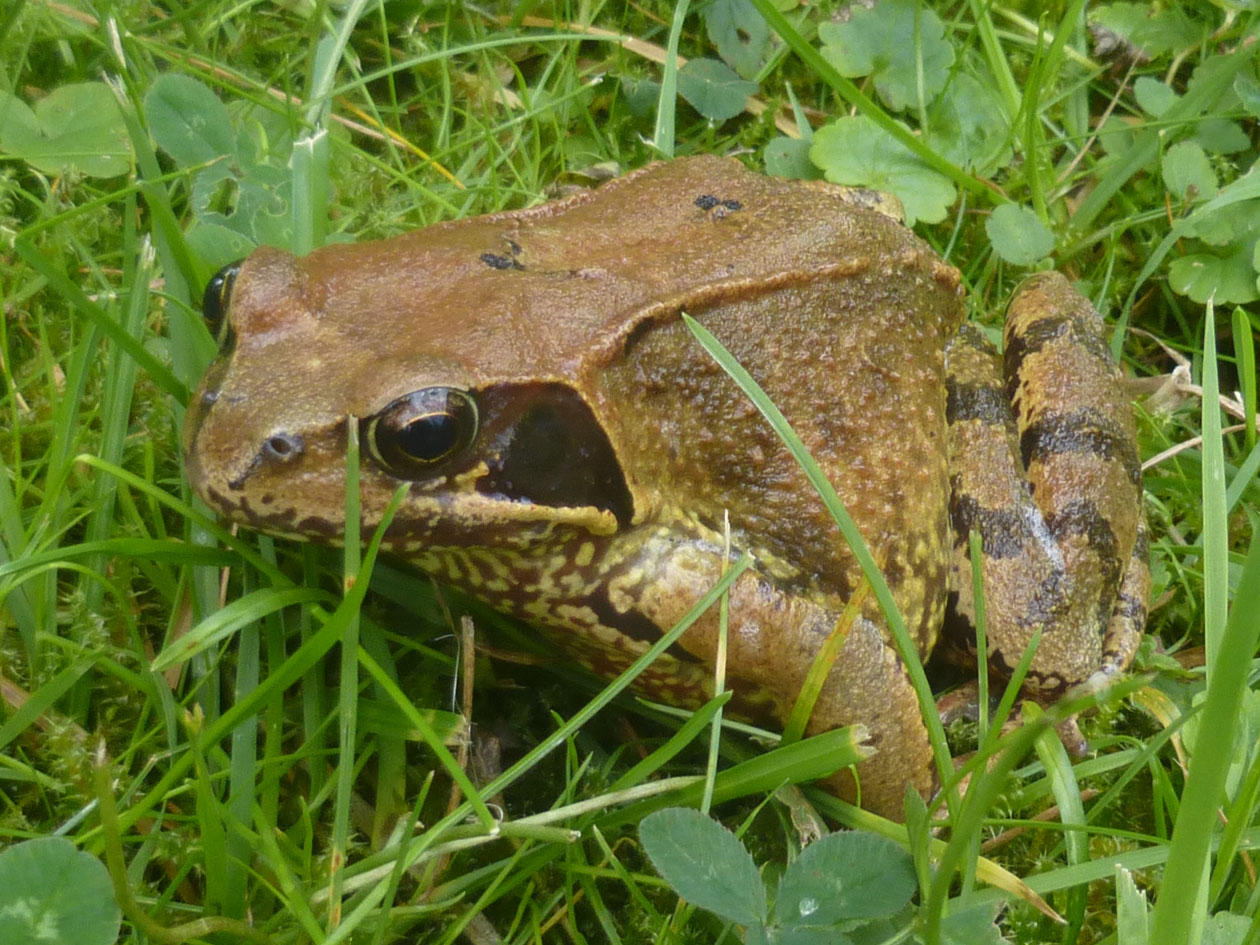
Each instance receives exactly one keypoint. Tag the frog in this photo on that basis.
(572, 457)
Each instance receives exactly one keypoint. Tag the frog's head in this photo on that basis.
(499, 442)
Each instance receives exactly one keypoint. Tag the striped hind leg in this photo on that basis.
(1044, 466)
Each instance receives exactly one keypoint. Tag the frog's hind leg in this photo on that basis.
(1046, 470)
(1079, 447)
(989, 494)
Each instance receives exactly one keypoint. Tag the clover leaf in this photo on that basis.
(706, 864)
(857, 152)
(1017, 235)
(54, 894)
(740, 34)
(713, 89)
(75, 126)
(1228, 278)
(894, 43)
(1188, 173)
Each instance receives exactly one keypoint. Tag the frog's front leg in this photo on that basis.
(774, 636)
(1044, 465)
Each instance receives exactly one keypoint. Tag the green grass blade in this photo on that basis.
(1185, 876)
(1215, 520)
(1245, 355)
(235, 616)
(663, 132)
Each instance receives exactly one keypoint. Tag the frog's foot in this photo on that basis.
(960, 704)
(1072, 738)
(1044, 466)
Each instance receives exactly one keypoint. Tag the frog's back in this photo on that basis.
(533, 289)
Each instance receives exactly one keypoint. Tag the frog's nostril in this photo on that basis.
(283, 447)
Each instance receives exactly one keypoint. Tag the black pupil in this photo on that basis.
(430, 437)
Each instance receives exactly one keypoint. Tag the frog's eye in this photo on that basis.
(417, 434)
(214, 304)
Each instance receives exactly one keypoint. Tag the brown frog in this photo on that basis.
(572, 451)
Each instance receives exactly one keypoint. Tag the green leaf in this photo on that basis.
(640, 95)
(1225, 225)
(1225, 928)
(75, 126)
(712, 89)
(1018, 236)
(1151, 33)
(188, 121)
(1221, 136)
(893, 43)
(1132, 914)
(1154, 96)
(789, 157)
(1247, 88)
(217, 245)
(231, 617)
(856, 152)
(1201, 276)
(740, 34)
(1188, 173)
(972, 926)
(705, 863)
(969, 127)
(1116, 135)
(52, 894)
(842, 877)
(254, 203)
(808, 936)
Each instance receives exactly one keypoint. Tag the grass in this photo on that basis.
(262, 775)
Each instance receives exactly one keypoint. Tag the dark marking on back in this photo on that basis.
(495, 261)
(1049, 603)
(1046, 684)
(709, 201)
(1085, 430)
(319, 527)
